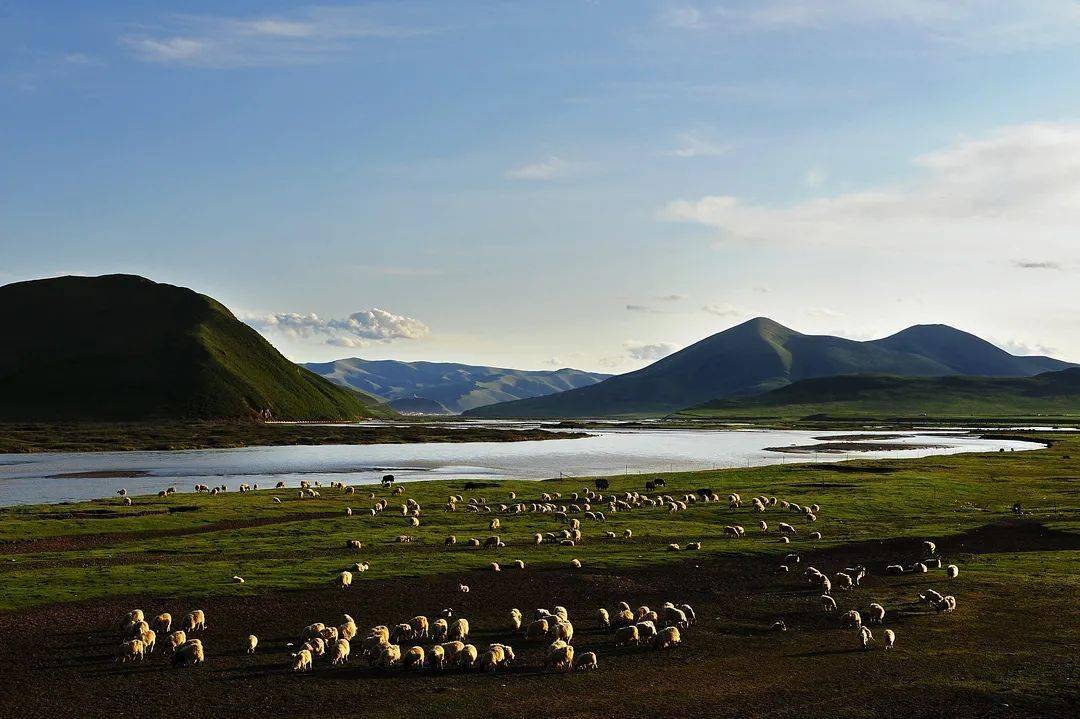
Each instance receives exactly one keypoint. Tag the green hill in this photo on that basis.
(761, 355)
(121, 347)
(457, 387)
(873, 396)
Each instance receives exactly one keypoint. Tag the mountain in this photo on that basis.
(458, 387)
(864, 396)
(761, 355)
(121, 347)
(418, 405)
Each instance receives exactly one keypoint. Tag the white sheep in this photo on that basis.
(890, 639)
(952, 571)
(852, 619)
(668, 638)
(866, 638)
(344, 580)
(302, 661)
(828, 603)
(875, 614)
(190, 652)
(340, 652)
(251, 642)
(195, 621)
(131, 650)
(586, 661)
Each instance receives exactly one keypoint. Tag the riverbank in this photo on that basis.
(20, 438)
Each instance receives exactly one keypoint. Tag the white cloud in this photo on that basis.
(976, 25)
(1019, 347)
(649, 352)
(1038, 265)
(553, 168)
(356, 330)
(824, 313)
(309, 35)
(693, 144)
(724, 310)
(1021, 181)
(672, 298)
(639, 308)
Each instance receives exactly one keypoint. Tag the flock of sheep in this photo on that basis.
(443, 643)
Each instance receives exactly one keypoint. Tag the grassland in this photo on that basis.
(18, 438)
(1006, 651)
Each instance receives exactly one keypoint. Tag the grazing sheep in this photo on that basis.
(302, 661)
(131, 650)
(344, 580)
(439, 628)
(468, 656)
(495, 567)
(815, 535)
(436, 657)
(947, 604)
(586, 661)
(875, 614)
(667, 638)
(195, 621)
(786, 528)
(190, 652)
(149, 639)
(162, 623)
(828, 603)
(763, 526)
(316, 645)
(627, 534)
(250, 644)
(920, 568)
(931, 597)
(646, 631)
(779, 626)
(866, 638)
(627, 636)
(844, 580)
(952, 571)
(894, 569)
(560, 657)
(673, 547)
(603, 618)
(563, 630)
(354, 544)
(852, 619)
(414, 658)
(176, 639)
(890, 639)
(575, 563)
(389, 656)
(450, 541)
(693, 545)
(459, 630)
(538, 629)
(538, 538)
(929, 548)
(515, 620)
(463, 588)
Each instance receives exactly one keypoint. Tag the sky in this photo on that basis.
(591, 184)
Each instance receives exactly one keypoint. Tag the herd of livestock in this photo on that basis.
(442, 642)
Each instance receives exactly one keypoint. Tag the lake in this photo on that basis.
(35, 478)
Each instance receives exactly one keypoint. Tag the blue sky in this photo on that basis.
(574, 183)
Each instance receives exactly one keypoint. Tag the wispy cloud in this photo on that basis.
(976, 25)
(649, 351)
(1037, 265)
(1019, 347)
(724, 310)
(695, 144)
(309, 35)
(823, 313)
(552, 168)
(356, 330)
(1020, 181)
(672, 298)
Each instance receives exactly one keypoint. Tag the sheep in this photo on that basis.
(929, 548)
(952, 571)
(468, 656)
(786, 528)
(866, 638)
(162, 623)
(560, 657)
(894, 569)
(329, 634)
(450, 541)
(931, 597)
(646, 631)
(693, 545)
(459, 630)
(689, 613)
(131, 650)
(344, 580)
(317, 646)
(779, 626)
(302, 661)
(947, 604)
(452, 650)
(586, 661)
(815, 535)
(603, 618)
(624, 617)
(340, 651)
(515, 620)
(401, 633)
(493, 658)
(463, 588)
(195, 621)
(149, 639)
(354, 544)
(420, 627)
(361, 567)
(538, 629)
(436, 657)
(311, 630)
(875, 614)
(176, 639)
(667, 638)
(250, 644)
(538, 538)
(828, 604)
(389, 656)
(852, 619)
(628, 534)
(890, 639)
(575, 563)
(134, 617)
(844, 580)
(495, 567)
(627, 636)
(563, 630)
(190, 652)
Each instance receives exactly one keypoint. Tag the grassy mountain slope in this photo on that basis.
(1050, 393)
(124, 347)
(458, 387)
(965, 353)
(754, 357)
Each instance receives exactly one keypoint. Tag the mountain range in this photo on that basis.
(121, 347)
(452, 387)
(762, 355)
(877, 396)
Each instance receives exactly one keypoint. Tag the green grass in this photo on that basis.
(100, 549)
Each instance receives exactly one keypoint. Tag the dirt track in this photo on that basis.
(59, 660)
